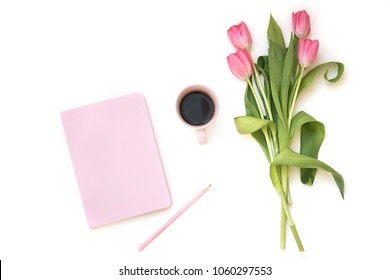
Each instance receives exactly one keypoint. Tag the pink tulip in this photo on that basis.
(240, 36)
(307, 52)
(240, 64)
(301, 24)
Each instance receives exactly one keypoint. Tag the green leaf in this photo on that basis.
(312, 136)
(276, 55)
(275, 35)
(255, 126)
(287, 74)
(274, 174)
(260, 138)
(297, 121)
(296, 64)
(293, 89)
(291, 158)
(309, 77)
(262, 61)
(250, 103)
(276, 59)
(249, 124)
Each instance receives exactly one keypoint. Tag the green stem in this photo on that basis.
(267, 107)
(290, 221)
(285, 188)
(263, 93)
(286, 184)
(295, 96)
(283, 223)
(285, 179)
(256, 98)
(265, 131)
(289, 199)
(270, 150)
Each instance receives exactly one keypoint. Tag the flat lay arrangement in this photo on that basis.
(142, 139)
(115, 153)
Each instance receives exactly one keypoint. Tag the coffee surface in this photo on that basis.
(197, 108)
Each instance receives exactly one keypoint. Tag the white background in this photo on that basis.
(56, 55)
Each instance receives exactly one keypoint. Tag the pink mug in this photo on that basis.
(198, 108)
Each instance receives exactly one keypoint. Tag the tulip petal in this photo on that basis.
(301, 24)
(240, 36)
(307, 52)
(240, 64)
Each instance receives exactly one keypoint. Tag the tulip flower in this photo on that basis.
(240, 36)
(240, 64)
(307, 52)
(301, 24)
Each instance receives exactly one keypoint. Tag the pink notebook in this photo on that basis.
(116, 159)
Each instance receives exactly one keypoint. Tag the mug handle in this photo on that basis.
(202, 137)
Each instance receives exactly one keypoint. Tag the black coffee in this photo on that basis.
(197, 108)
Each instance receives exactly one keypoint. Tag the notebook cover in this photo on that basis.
(116, 159)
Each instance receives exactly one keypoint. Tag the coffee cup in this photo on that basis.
(198, 108)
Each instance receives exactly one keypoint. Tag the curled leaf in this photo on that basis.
(309, 77)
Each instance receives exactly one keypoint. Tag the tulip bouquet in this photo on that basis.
(274, 83)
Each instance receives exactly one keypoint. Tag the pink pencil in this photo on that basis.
(171, 220)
